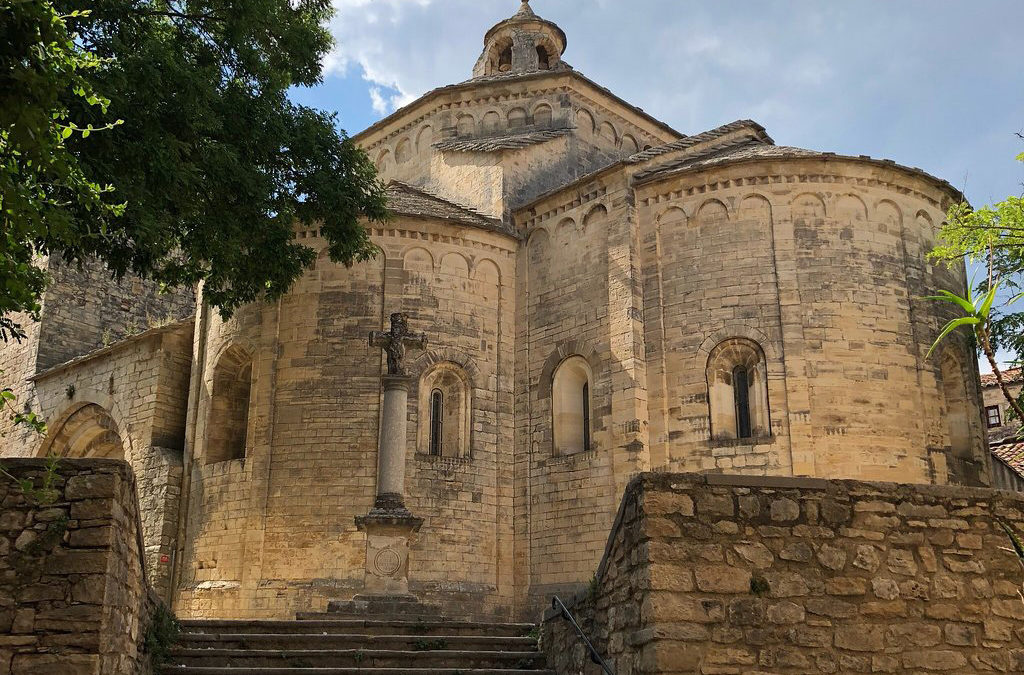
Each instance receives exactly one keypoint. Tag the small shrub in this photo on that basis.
(162, 635)
(759, 586)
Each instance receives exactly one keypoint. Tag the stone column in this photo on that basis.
(392, 446)
(389, 525)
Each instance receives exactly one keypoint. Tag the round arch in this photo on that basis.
(87, 429)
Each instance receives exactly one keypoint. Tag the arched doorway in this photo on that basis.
(89, 431)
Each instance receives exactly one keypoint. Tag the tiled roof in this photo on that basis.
(1009, 376)
(740, 149)
(689, 141)
(503, 142)
(1011, 453)
(407, 200)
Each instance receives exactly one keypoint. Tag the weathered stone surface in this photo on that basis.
(90, 486)
(879, 606)
(67, 610)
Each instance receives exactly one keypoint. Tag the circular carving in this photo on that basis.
(387, 562)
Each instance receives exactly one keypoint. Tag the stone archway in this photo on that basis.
(89, 431)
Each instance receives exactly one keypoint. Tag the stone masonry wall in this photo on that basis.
(73, 591)
(737, 574)
(85, 310)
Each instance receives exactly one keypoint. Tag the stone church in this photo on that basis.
(586, 292)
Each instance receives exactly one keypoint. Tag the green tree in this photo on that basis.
(993, 235)
(157, 136)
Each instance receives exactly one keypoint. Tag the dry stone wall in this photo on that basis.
(73, 590)
(732, 574)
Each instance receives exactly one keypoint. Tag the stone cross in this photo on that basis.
(395, 342)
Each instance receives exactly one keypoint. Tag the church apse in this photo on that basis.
(598, 295)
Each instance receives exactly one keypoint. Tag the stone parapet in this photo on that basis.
(736, 574)
(73, 592)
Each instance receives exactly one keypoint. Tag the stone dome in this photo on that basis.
(523, 43)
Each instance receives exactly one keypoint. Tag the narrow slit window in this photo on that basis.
(586, 416)
(436, 421)
(741, 392)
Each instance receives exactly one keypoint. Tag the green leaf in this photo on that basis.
(986, 305)
(946, 296)
(950, 327)
(1015, 541)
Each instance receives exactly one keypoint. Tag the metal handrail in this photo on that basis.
(557, 604)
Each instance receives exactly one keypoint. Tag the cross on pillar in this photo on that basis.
(396, 341)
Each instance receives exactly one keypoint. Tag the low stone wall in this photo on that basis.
(73, 593)
(738, 574)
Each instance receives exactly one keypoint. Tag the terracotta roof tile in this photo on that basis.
(1011, 453)
(1012, 375)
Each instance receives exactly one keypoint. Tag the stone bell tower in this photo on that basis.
(523, 43)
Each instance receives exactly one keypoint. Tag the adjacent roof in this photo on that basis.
(1010, 453)
(187, 324)
(1012, 376)
(407, 200)
(503, 142)
(689, 141)
(729, 152)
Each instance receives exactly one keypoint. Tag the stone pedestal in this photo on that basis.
(387, 552)
(389, 526)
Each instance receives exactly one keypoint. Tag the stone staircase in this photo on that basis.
(399, 638)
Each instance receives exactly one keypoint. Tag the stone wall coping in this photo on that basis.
(664, 481)
(182, 325)
(85, 465)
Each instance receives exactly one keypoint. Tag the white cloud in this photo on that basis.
(370, 38)
(865, 77)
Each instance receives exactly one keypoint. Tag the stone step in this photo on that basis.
(354, 641)
(245, 670)
(356, 658)
(316, 623)
(386, 605)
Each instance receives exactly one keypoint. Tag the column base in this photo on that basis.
(389, 531)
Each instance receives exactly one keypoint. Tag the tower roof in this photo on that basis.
(522, 43)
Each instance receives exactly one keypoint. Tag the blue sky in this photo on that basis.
(935, 84)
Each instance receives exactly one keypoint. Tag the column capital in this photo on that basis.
(391, 382)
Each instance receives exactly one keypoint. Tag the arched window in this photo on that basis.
(505, 59)
(543, 60)
(444, 420)
(228, 423)
(570, 406)
(737, 379)
(436, 421)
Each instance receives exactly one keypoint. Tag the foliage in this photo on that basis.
(430, 645)
(995, 235)
(42, 495)
(161, 635)
(759, 586)
(46, 195)
(1017, 547)
(24, 418)
(214, 162)
(203, 166)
